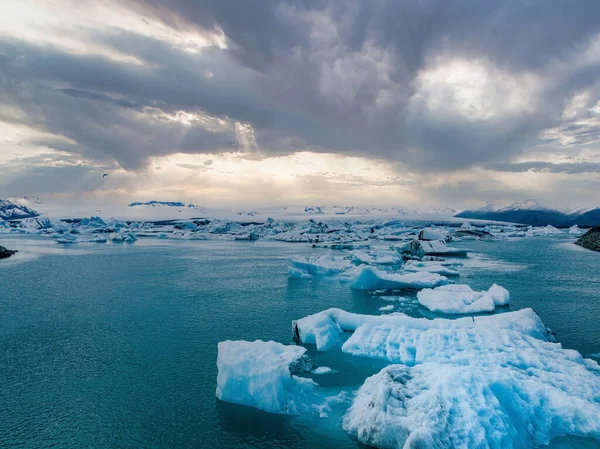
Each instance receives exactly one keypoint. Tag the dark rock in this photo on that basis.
(590, 240)
(4, 253)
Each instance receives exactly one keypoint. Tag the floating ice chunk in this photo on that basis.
(296, 273)
(120, 237)
(322, 370)
(257, 374)
(250, 236)
(430, 267)
(315, 266)
(431, 248)
(460, 298)
(575, 230)
(386, 308)
(98, 238)
(476, 405)
(543, 231)
(67, 238)
(370, 278)
(378, 336)
(383, 257)
(434, 234)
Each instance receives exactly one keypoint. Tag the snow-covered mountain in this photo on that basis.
(10, 210)
(531, 212)
(162, 204)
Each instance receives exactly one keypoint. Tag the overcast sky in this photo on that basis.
(260, 102)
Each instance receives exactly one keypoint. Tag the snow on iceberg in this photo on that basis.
(327, 264)
(431, 248)
(370, 278)
(483, 404)
(460, 298)
(383, 257)
(434, 234)
(431, 267)
(543, 231)
(575, 230)
(379, 336)
(257, 374)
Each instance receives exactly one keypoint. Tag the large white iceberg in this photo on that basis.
(401, 338)
(494, 403)
(370, 278)
(257, 374)
(460, 298)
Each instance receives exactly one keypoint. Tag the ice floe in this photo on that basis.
(461, 299)
(370, 278)
(327, 264)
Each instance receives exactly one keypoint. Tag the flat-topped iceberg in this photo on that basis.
(257, 374)
(370, 278)
(378, 336)
(460, 298)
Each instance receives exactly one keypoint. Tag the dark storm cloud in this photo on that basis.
(320, 75)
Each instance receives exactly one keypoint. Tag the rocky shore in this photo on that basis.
(4, 253)
(590, 240)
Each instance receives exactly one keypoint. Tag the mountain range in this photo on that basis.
(530, 212)
(13, 211)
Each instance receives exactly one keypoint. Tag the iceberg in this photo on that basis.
(434, 234)
(500, 402)
(431, 267)
(257, 374)
(543, 231)
(379, 336)
(377, 257)
(431, 248)
(120, 237)
(370, 278)
(327, 264)
(460, 298)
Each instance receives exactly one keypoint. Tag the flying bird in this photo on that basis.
(104, 175)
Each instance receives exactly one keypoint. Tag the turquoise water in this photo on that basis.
(114, 346)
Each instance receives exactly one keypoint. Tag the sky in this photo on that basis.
(256, 102)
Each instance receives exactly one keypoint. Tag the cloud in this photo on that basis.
(437, 87)
(547, 167)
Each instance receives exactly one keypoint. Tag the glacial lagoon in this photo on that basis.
(115, 345)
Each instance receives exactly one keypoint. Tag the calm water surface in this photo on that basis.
(115, 346)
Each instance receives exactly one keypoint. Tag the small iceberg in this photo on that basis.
(328, 264)
(431, 267)
(257, 374)
(422, 248)
(123, 237)
(461, 299)
(370, 278)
